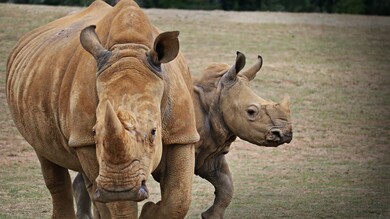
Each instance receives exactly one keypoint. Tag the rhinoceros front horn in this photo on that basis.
(113, 130)
(91, 43)
(112, 123)
(286, 102)
(231, 74)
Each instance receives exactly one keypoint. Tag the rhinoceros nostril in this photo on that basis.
(143, 192)
(277, 135)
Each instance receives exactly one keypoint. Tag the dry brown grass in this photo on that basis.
(336, 69)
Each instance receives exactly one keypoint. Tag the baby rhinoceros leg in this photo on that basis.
(216, 171)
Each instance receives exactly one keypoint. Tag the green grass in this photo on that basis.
(336, 68)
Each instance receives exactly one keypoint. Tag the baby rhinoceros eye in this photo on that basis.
(153, 133)
(252, 111)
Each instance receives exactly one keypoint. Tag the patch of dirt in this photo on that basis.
(16, 151)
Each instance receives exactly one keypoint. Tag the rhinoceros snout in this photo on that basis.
(287, 137)
(139, 194)
(277, 137)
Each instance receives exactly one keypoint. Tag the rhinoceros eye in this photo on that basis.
(153, 133)
(252, 112)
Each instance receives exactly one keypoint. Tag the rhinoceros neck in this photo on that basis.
(215, 137)
(213, 131)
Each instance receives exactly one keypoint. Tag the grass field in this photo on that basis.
(336, 68)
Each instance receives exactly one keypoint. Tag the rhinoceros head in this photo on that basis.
(250, 117)
(245, 114)
(130, 89)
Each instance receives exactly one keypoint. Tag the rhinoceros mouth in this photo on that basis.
(136, 194)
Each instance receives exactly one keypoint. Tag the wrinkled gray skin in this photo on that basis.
(226, 107)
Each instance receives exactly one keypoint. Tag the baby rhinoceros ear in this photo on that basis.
(231, 75)
(252, 71)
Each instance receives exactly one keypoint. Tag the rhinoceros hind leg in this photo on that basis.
(217, 172)
(58, 182)
(83, 201)
(87, 157)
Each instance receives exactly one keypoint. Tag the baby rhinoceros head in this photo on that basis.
(246, 115)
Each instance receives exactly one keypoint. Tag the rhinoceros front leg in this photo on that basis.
(216, 171)
(57, 180)
(175, 174)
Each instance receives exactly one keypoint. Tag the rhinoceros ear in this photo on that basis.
(165, 48)
(252, 71)
(231, 74)
(90, 42)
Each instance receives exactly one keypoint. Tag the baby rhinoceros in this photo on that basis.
(226, 107)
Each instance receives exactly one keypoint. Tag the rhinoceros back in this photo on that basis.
(40, 86)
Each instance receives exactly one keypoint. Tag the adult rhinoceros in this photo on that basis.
(226, 107)
(109, 102)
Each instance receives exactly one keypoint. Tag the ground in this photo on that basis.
(336, 69)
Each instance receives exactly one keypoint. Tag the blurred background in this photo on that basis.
(369, 7)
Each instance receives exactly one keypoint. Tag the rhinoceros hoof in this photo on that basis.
(209, 214)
